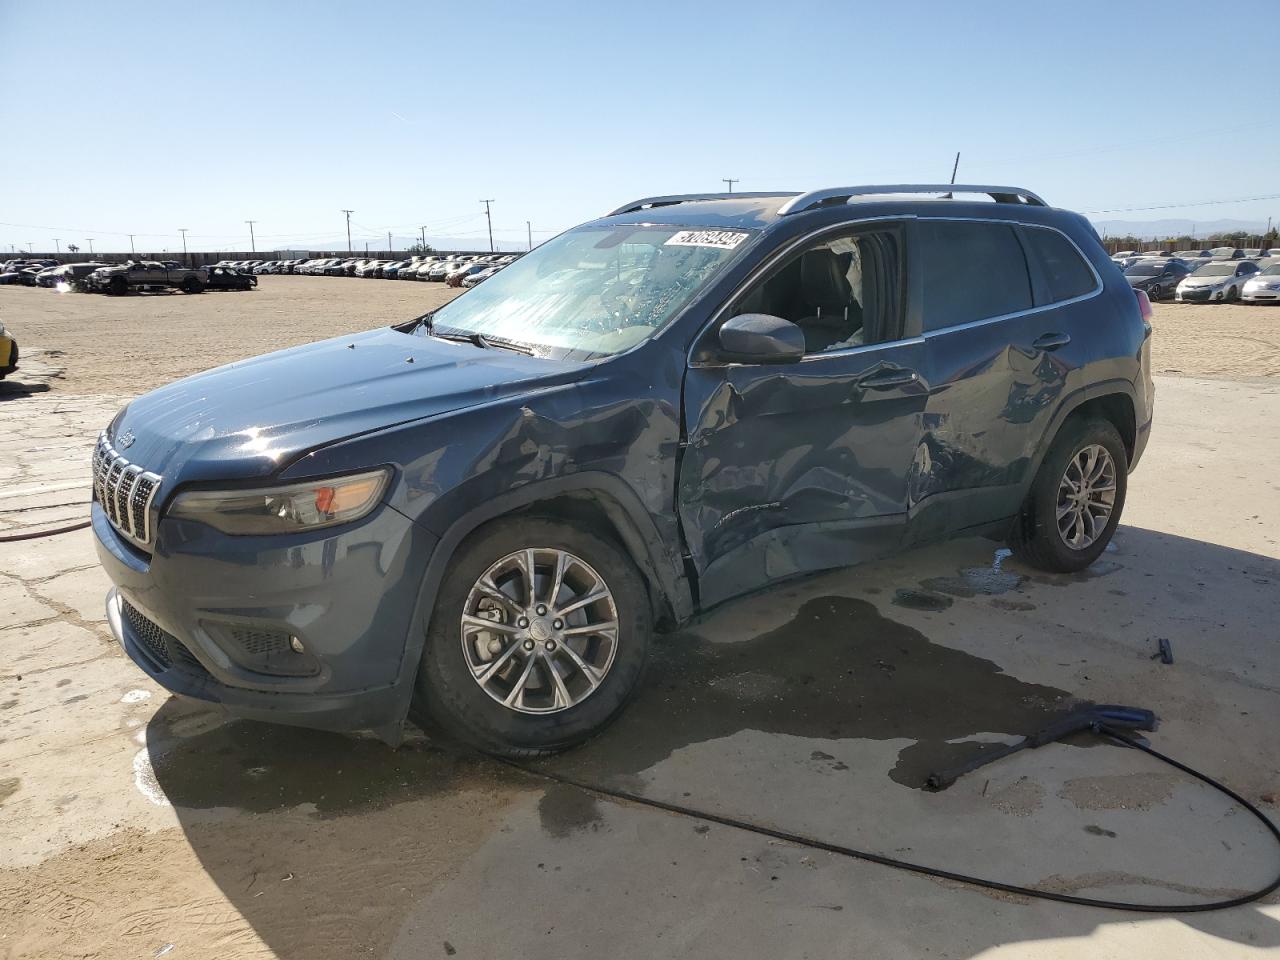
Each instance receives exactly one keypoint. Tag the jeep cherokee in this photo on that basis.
(484, 511)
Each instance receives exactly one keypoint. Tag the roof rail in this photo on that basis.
(650, 202)
(838, 195)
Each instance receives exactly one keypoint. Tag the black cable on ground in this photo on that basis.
(37, 534)
(938, 872)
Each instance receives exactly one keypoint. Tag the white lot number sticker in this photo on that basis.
(723, 239)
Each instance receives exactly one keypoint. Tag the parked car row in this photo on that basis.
(24, 272)
(122, 278)
(1205, 280)
(455, 268)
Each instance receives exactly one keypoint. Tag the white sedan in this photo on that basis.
(1218, 281)
(1263, 287)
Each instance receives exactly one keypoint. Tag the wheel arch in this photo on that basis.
(1112, 400)
(603, 504)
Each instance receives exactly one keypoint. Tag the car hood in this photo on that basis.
(253, 418)
(1205, 281)
(1140, 281)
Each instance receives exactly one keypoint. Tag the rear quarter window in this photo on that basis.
(972, 270)
(1066, 274)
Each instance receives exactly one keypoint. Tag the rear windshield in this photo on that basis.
(1145, 270)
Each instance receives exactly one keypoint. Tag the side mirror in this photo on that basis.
(760, 338)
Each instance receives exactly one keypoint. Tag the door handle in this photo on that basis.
(1050, 341)
(888, 379)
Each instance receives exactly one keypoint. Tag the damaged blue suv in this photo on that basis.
(484, 513)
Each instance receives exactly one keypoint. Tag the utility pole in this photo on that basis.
(529, 226)
(349, 213)
(424, 238)
(253, 244)
(955, 166)
(58, 246)
(132, 251)
(388, 243)
(730, 181)
(183, 231)
(490, 219)
(90, 246)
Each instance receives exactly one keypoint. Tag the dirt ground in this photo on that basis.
(135, 825)
(127, 345)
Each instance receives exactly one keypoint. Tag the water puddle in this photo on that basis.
(837, 670)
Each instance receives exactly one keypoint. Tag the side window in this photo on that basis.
(971, 271)
(1066, 274)
(842, 292)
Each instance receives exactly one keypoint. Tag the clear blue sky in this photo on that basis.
(145, 118)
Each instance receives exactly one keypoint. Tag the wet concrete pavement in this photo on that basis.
(132, 824)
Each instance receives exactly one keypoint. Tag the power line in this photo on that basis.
(1175, 206)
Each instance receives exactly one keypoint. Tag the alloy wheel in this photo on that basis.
(1086, 496)
(540, 630)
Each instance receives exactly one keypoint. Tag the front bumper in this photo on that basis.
(194, 616)
(1199, 295)
(1263, 295)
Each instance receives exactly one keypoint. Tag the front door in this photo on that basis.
(791, 468)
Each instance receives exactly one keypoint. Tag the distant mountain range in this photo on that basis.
(1154, 229)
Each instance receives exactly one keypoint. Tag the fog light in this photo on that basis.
(296, 645)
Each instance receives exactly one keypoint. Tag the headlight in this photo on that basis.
(295, 507)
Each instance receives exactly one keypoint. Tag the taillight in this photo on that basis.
(1144, 305)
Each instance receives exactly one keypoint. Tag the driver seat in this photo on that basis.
(831, 313)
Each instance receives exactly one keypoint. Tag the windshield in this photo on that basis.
(594, 291)
(1216, 270)
(1271, 271)
(1144, 270)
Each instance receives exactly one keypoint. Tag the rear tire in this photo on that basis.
(1053, 515)
(543, 714)
(192, 285)
(118, 286)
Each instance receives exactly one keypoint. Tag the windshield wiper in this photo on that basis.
(474, 337)
(505, 344)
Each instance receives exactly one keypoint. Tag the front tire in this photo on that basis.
(192, 285)
(1076, 499)
(1155, 292)
(522, 672)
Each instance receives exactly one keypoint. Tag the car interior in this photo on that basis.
(836, 292)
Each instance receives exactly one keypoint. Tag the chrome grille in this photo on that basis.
(125, 491)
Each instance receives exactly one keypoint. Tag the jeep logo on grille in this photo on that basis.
(126, 440)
